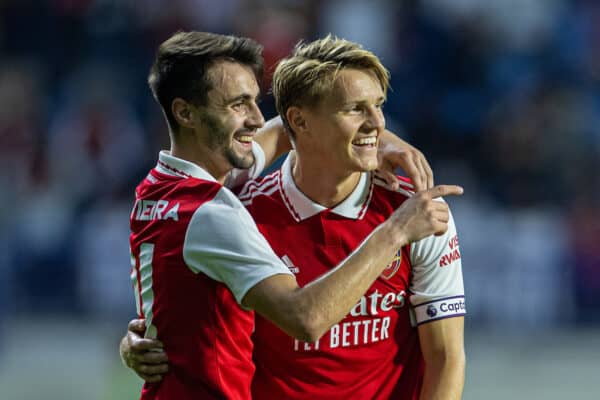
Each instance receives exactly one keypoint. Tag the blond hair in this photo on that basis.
(304, 78)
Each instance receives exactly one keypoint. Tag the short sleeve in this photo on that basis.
(223, 242)
(237, 177)
(437, 289)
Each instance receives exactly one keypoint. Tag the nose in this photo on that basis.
(375, 118)
(254, 119)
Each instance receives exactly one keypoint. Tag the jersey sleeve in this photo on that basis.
(437, 289)
(238, 177)
(223, 242)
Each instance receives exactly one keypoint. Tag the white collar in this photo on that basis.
(301, 207)
(171, 165)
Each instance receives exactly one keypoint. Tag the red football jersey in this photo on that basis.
(374, 352)
(195, 253)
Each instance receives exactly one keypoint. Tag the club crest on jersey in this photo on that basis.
(393, 267)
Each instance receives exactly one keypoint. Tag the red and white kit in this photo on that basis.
(195, 252)
(374, 352)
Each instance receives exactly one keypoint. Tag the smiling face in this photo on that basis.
(344, 128)
(229, 121)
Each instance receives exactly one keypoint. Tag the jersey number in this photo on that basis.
(141, 278)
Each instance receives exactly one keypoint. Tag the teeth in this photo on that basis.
(245, 139)
(363, 141)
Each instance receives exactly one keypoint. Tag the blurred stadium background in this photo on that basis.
(503, 96)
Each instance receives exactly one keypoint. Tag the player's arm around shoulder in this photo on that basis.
(273, 140)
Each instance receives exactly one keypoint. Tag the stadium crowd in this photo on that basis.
(503, 101)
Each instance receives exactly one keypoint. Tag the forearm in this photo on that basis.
(442, 346)
(444, 378)
(273, 139)
(306, 313)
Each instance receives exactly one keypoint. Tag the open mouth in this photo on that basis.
(245, 140)
(365, 142)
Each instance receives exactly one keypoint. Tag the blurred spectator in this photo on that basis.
(96, 141)
(503, 95)
(584, 229)
(102, 253)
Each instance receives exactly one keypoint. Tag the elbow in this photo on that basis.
(313, 333)
(309, 322)
(307, 328)
(454, 360)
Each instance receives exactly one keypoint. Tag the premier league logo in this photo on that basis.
(392, 267)
(431, 311)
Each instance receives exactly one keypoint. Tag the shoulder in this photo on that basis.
(384, 192)
(193, 192)
(162, 198)
(260, 187)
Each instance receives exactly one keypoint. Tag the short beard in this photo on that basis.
(237, 161)
(220, 140)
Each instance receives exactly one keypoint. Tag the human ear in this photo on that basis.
(296, 119)
(182, 112)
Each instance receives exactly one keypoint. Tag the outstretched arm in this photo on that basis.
(307, 313)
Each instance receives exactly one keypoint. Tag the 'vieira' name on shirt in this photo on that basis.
(149, 210)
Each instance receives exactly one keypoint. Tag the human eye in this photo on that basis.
(239, 105)
(354, 108)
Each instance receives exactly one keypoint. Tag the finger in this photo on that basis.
(137, 325)
(421, 181)
(440, 206)
(441, 216)
(389, 178)
(152, 369)
(410, 165)
(428, 173)
(443, 190)
(152, 357)
(150, 378)
(440, 228)
(138, 344)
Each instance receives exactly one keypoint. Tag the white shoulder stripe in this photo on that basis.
(406, 184)
(263, 192)
(408, 193)
(258, 189)
(252, 186)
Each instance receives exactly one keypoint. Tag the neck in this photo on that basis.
(212, 162)
(323, 186)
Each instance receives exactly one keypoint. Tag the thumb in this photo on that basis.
(137, 325)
